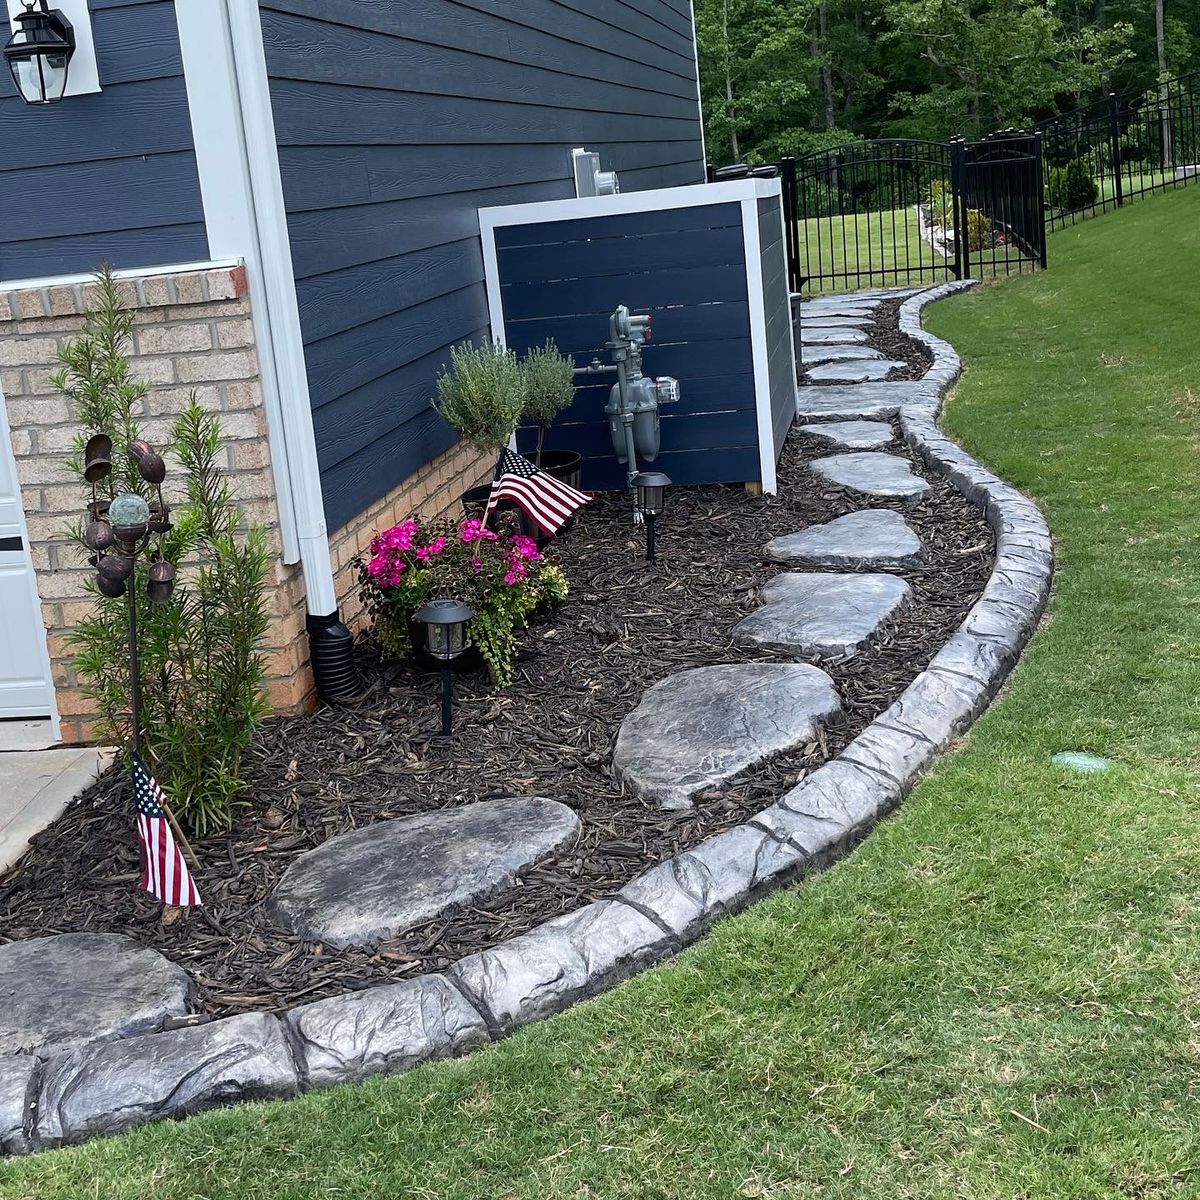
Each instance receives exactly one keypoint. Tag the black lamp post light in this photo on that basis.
(651, 489)
(445, 624)
(39, 52)
(117, 532)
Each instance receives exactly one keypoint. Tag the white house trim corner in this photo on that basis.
(230, 100)
(758, 345)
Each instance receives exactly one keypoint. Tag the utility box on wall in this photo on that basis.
(708, 262)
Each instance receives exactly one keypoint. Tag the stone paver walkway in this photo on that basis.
(822, 616)
(872, 473)
(874, 537)
(852, 435)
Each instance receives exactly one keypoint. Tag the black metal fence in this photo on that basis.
(1103, 156)
(889, 212)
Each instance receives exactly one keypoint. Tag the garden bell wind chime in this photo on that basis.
(118, 532)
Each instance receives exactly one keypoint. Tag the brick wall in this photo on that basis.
(193, 332)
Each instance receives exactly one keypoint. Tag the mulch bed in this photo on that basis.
(627, 625)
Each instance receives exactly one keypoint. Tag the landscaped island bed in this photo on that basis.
(626, 626)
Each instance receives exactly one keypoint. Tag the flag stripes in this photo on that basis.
(547, 501)
(166, 876)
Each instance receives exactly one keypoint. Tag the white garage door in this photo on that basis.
(25, 689)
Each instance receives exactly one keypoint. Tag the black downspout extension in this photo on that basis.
(331, 650)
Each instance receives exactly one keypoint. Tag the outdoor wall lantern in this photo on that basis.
(651, 489)
(51, 53)
(39, 52)
(445, 624)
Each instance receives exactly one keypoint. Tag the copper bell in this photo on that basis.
(150, 465)
(160, 518)
(98, 535)
(116, 567)
(161, 582)
(97, 458)
(110, 587)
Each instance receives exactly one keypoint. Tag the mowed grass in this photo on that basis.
(885, 249)
(996, 996)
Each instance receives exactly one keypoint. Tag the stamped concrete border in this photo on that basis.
(393, 1027)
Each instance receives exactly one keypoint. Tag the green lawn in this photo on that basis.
(998, 995)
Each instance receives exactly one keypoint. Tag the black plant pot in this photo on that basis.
(564, 465)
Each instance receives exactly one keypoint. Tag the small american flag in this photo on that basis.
(166, 877)
(547, 501)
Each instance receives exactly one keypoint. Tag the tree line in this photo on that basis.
(785, 77)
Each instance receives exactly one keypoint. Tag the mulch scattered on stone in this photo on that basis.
(627, 625)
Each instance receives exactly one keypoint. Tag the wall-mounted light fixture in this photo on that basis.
(50, 54)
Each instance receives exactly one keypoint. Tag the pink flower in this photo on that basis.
(526, 547)
(425, 553)
(400, 537)
(477, 565)
(512, 577)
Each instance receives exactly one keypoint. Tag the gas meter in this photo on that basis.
(635, 400)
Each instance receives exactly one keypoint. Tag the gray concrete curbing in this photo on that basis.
(488, 995)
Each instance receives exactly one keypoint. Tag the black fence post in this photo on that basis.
(791, 221)
(1114, 140)
(958, 188)
(1039, 180)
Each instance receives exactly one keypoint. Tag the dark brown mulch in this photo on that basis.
(886, 336)
(626, 626)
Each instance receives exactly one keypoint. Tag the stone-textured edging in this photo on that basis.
(484, 997)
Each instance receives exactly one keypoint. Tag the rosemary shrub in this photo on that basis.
(549, 388)
(201, 667)
(482, 395)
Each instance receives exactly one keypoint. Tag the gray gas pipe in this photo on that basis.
(635, 400)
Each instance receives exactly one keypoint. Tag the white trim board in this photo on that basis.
(744, 192)
(20, 285)
(655, 200)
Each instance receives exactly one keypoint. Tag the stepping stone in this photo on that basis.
(825, 311)
(848, 401)
(376, 882)
(871, 472)
(822, 616)
(875, 537)
(61, 993)
(840, 335)
(852, 435)
(853, 370)
(696, 730)
(834, 322)
(810, 355)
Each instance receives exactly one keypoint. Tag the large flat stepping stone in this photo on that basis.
(838, 335)
(822, 616)
(696, 730)
(875, 537)
(852, 400)
(873, 473)
(374, 883)
(811, 355)
(855, 370)
(61, 993)
(852, 435)
(837, 321)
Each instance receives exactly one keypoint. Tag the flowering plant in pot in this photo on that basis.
(502, 576)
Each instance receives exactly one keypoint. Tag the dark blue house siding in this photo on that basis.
(116, 170)
(396, 121)
(687, 266)
(777, 304)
